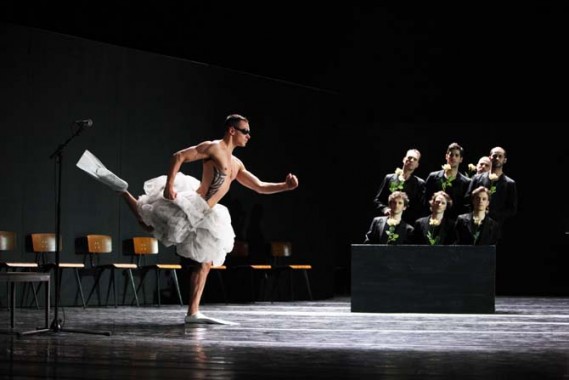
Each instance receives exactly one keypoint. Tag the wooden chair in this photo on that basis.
(93, 246)
(219, 270)
(8, 243)
(103, 244)
(44, 244)
(281, 251)
(145, 246)
(239, 261)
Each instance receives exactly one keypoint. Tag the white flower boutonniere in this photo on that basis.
(471, 171)
(447, 180)
(434, 222)
(432, 236)
(391, 235)
(399, 182)
(493, 177)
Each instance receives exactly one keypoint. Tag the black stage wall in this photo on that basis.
(146, 106)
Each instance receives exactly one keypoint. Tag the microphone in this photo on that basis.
(84, 123)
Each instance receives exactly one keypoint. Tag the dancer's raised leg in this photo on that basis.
(132, 205)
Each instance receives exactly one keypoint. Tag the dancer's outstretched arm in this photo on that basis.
(249, 180)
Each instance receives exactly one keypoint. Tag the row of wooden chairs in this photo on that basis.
(95, 245)
(279, 265)
(44, 243)
(142, 246)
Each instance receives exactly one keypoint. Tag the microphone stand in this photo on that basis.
(56, 324)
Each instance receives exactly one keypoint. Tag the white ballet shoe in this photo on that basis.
(199, 318)
(95, 168)
(112, 180)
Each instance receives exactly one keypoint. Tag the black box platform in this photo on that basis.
(423, 279)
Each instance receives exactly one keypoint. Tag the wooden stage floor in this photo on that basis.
(527, 338)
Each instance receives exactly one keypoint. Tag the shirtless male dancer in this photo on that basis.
(182, 211)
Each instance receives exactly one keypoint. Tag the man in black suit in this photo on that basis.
(476, 227)
(404, 180)
(449, 180)
(391, 229)
(503, 190)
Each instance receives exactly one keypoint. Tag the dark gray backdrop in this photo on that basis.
(146, 106)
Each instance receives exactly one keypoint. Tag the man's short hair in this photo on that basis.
(454, 146)
(234, 119)
(399, 194)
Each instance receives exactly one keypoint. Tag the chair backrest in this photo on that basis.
(280, 252)
(96, 245)
(8, 244)
(7, 241)
(44, 243)
(281, 249)
(99, 244)
(240, 249)
(144, 245)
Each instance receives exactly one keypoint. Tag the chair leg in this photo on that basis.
(157, 271)
(143, 272)
(98, 276)
(275, 288)
(78, 279)
(131, 279)
(8, 296)
(175, 276)
(34, 291)
(111, 285)
(291, 282)
(307, 284)
(261, 281)
(253, 295)
(125, 287)
(25, 290)
(264, 288)
(36, 295)
(222, 284)
(261, 284)
(58, 285)
(306, 281)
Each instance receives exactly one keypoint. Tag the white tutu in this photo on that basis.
(199, 232)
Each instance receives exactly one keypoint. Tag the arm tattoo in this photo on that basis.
(218, 179)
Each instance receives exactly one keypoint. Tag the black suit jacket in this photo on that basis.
(465, 229)
(504, 202)
(414, 187)
(377, 232)
(445, 231)
(456, 192)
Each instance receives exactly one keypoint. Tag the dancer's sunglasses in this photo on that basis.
(245, 131)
